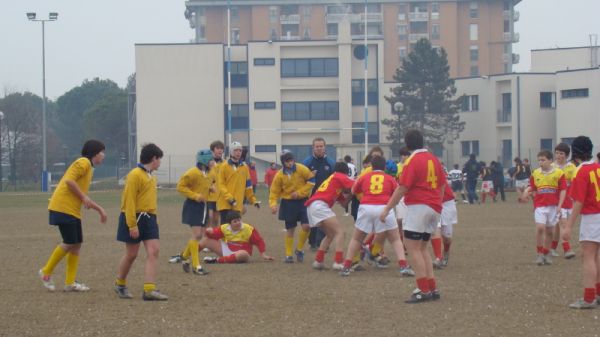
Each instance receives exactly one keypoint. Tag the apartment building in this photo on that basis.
(477, 35)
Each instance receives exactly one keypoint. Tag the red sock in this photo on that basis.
(589, 295)
(447, 246)
(554, 244)
(545, 251)
(566, 246)
(431, 282)
(483, 198)
(227, 259)
(540, 249)
(339, 257)
(402, 263)
(320, 256)
(369, 240)
(347, 263)
(423, 284)
(436, 244)
(598, 288)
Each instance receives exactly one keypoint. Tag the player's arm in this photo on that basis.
(222, 186)
(249, 193)
(304, 191)
(562, 186)
(130, 192)
(394, 200)
(275, 193)
(214, 233)
(258, 241)
(183, 187)
(356, 187)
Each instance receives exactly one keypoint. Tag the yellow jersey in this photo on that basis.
(299, 179)
(65, 201)
(233, 183)
(213, 174)
(139, 195)
(194, 183)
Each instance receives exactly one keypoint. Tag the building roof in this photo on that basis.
(564, 48)
(301, 2)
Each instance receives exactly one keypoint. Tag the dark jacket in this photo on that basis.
(324, 167)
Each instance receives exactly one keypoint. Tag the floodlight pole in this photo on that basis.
(229, 71)
(366, 32)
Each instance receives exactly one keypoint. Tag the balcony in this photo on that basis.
(292, 19)
(515, 58)
(435, 16)
(516, 16)
(511, 37)
(418, 16)
(503, 117)
(412, 38)
(516, 37)
(289, 37)
(372, 17)
(506, 58)
(401, 17)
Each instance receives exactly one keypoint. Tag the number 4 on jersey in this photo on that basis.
(432, 179)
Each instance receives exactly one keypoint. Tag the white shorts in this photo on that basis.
(565, 213)
(448, 218)
(225, 248)
(487, 186)
(420, 219)
(400, 209)
(546, 215)
(523, 183)
(367, 219)
(589, 229)
(318, 211)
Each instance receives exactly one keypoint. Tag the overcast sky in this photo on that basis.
(96, 38)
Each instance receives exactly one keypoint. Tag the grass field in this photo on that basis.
(491, 287)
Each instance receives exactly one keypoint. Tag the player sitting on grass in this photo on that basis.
(549, 187)
(233, 241)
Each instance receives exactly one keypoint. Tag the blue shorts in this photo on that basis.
(194, 213)
(457, 186)
(68, 225)
(212, 205)
(147, 226)
(292, 212)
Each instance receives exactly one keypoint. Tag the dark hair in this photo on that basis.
(378, 163)
(375, 149)
(472, 156)
(456, 166)
(563, 147)
(232, 215)
(598, 156)
(367, 159)
(217, 144)
(545, 153)
(413, 139)
(582, 148)
(404, 152)
(347, 158)
(149, 151)
(517, 160)
(91, 148)
(341, 167)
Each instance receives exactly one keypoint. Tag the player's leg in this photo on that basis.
(353, 247)
(436, 245)
(151, 293)
(333, 230)
(290, 228)
(131, 253)
(394, 238)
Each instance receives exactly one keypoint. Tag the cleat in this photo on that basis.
(76, 287)
(299, 256)
(435, 295)
(123, 292)
(199, 271)
(185, 265)
(445, 259)
(379, 261)
(553, 252)
(154, 295)
(540, 260)
(337, 266)
(175, 258)
(46, 281)
(581, 304)
(418, 297)
(206, 250)
(345, 272)
(548, 259)
(438, 264)
(318, 265)
(288, 259)
(356, 266)
(210, 259)
(407, 271)
(569, 255)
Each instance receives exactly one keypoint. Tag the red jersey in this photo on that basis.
(547, 186)
(585, 187)
(269, 176)
(243, 239)
(448, 193)
(376, 186)
(424, 177)
(330, 189)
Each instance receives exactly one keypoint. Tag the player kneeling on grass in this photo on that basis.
(377, 188)
(65, 213)
(585, 191)
(335, 188)
(549, 187)
(233, 241)
(195, 184)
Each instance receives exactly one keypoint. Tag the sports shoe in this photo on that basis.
(337, 266)
(540, 260)
(199, 271)
(46, 281)
(438, 264)
(356, 266)
(553, 252)
(407, 271)
(581, 304)
(185, 265)
(289, 259)
(435, 295)
(210, 259)
(548, 259)
(418, 296)
(206, 250)
(123, 292)
(76, 287)
(379, 261)
(299, 256)
(154, 295)
(345, 272)
(175, 258)
(569, 255)
(318, 265)
(445, 259)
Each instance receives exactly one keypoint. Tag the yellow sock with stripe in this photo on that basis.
(192, 247)
(148, 287)
(71, 272)
(289, 245)
(356, 258)
(57, 255)
(375, 249)
(186, 252)
(302, 239)
(121, 282)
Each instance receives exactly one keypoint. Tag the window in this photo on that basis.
(306, 12)
(303, 151)
(332, 29)
(573, 93)
(548, 100)
(337, 9)
(470, 103)
(504, 115)
(402, 32)
(323, 67)
(306, 34)
(435, 7)
(305, 111)
(264, 62)
(358, 92)
(289, 30)
(273, 14)
(474, 53)
(264, 105)
(437, 149)
(239, 74)
(473, 34)
(419, 27)
(265, 148)
(239, 117)
(470, 147)
(567, 140)
(358, 135)
(506, 26)
(235, 36)
(507, 5)
(289, 9)
(235, 14)
(546, 144)
(402, 52)
(474, 71)
(474, 10)
(435, 31)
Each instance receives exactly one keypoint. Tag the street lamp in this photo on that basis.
(1, 176)
(52, 16)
